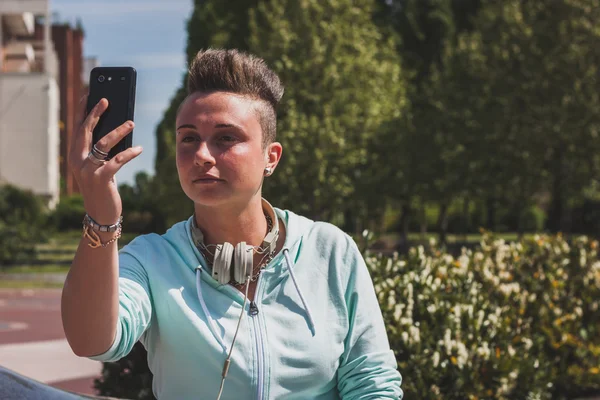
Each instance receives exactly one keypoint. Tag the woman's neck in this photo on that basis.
(232, 224)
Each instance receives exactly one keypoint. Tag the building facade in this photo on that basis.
(42, 72)
(29, 100)
(68, 44)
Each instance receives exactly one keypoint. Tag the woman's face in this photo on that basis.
(220, 154)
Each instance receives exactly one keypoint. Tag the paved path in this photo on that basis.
(32, 341)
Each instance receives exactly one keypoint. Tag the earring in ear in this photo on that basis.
(267, 171)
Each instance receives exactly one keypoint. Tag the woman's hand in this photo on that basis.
(97, 183)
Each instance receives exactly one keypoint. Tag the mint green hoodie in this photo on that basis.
(314, 330)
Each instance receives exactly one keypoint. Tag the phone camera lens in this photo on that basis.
(101, 78)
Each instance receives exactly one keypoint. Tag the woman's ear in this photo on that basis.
(274, 151)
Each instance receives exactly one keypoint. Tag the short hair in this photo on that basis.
(234, 71)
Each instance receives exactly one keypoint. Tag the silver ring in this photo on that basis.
(95, 160)
(99, 155)
(100, 152)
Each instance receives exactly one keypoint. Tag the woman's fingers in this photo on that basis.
(114, 137)
(83, 141)
(82, 110)
(116, 163)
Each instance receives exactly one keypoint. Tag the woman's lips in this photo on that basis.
(207, 180)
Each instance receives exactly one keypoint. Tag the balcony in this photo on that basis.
(36, 7)
(19, 57)
(19, 24)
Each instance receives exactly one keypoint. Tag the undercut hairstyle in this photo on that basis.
(233, 71)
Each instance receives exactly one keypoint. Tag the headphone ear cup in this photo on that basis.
(221, 271)
(244, 260)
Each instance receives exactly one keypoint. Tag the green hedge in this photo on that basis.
(68, 213)
(22, 224)
(506, 321)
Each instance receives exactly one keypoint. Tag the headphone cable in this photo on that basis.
(228, 360)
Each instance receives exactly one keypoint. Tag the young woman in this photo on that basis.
(242, 300)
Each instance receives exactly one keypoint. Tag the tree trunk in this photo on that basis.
(465, 212)
(404, 225)
(349, 220)
(520, 230)
(423, 218)
(443, 223)
(556, 214)
(491, 213)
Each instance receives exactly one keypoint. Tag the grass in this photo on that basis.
(471, 237)
(29, 285)
(35, 269)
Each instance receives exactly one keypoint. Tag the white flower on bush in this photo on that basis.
(436, 359)
(414, 334)
(509, 288)
(398, 311)
(484, 351)
(405, 337)
(448, 341)
(462, 356)
(480, 317)
(532, 297)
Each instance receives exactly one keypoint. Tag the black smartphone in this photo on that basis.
(117, 85)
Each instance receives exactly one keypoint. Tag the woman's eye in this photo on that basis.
(227, 138)
(188, 139)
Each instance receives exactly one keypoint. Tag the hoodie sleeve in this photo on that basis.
(135, 306)
(368, 368)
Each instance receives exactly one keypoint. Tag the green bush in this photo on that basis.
(68, 213)
(507, 321)
(128, 378)
(533, 219)
(139, 221)
(22, 222)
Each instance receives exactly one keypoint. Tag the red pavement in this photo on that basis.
(34, 315)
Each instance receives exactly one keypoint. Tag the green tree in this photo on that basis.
(427, 158)
(214, 24)
(23, 223)
(343, 81)
(541, 63)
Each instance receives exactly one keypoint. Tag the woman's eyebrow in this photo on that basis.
(188, 126)
(229, 125)
(192, 126)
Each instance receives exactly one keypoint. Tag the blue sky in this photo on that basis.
(149, 35)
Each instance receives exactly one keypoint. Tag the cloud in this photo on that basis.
(115, 9)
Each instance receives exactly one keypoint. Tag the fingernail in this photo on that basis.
(130, 124)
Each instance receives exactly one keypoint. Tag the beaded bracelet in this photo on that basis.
(89, 221)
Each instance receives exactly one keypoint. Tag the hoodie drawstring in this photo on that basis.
(212, 323)
(286, 254)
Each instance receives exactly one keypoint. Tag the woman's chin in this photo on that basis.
(207, 196)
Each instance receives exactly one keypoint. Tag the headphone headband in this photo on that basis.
(270, 240)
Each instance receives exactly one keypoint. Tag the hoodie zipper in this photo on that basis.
(259, 349)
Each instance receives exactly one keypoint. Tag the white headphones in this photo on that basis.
(242, 254)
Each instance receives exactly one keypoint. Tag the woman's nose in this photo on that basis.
(203, 155)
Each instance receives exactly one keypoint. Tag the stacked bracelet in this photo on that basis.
(90, 227)
(87, 220)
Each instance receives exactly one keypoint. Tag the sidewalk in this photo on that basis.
(32, 341)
